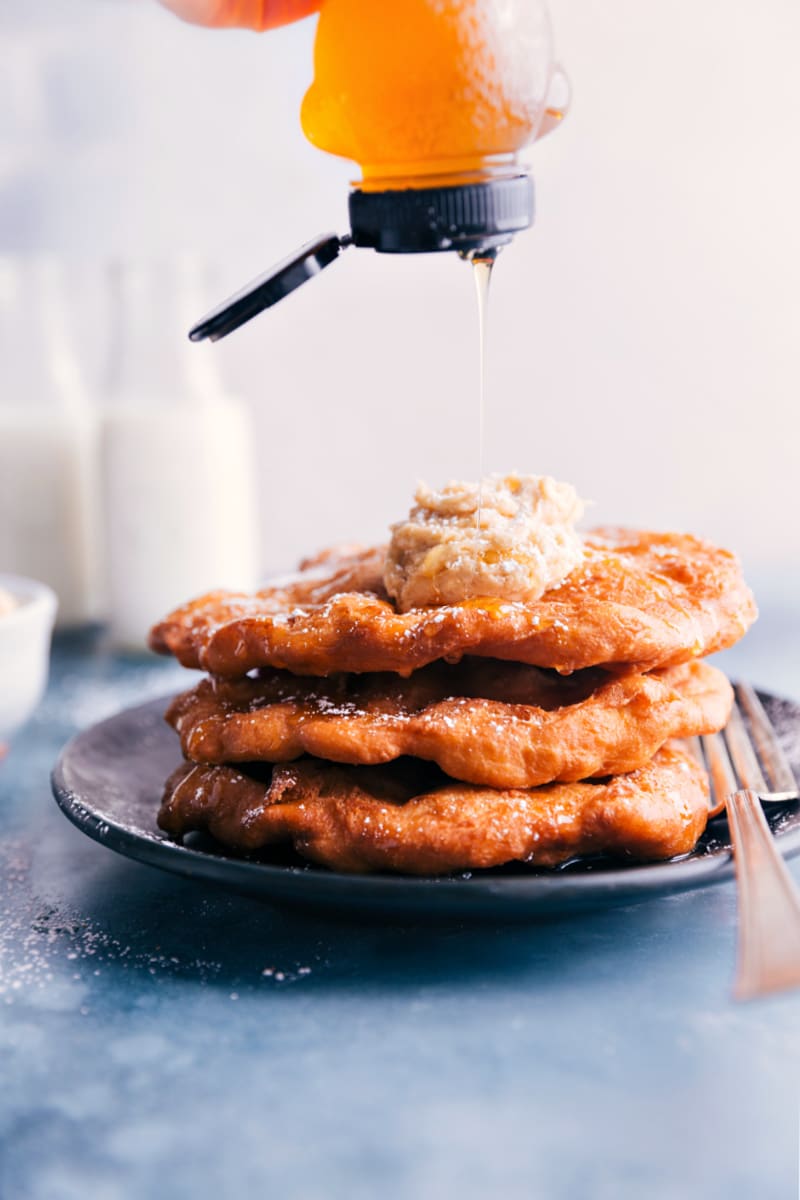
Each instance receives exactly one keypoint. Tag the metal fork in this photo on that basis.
(768, 898)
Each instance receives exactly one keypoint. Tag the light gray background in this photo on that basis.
(643, 336)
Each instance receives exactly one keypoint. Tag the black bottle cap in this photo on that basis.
(471, 216)
(269, 288)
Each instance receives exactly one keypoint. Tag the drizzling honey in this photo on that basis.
(482, 263)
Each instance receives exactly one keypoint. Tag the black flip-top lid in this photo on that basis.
(269, 288)
(468, 218)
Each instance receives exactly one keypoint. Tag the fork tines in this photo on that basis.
(747, 754)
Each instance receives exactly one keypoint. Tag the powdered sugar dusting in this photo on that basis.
(50, 952)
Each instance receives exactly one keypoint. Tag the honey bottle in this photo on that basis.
(435, 100)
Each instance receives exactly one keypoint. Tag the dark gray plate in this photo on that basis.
(109, 780)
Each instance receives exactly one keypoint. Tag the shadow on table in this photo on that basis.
(145, 921)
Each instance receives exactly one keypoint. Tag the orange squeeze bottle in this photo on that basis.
(435, 100)
(428, 91)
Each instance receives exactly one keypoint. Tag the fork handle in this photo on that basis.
(769, 903)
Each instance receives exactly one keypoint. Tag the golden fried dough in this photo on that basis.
(408, 817)
(482, 721)
(638, 601)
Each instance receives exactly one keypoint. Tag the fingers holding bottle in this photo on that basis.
(242, 14)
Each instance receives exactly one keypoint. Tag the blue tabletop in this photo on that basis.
(160, 1038)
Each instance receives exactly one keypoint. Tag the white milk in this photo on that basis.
(176, 455)
(46, 518)
(180, 509)
(47, 443)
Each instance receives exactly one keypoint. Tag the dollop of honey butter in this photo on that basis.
(511, 539)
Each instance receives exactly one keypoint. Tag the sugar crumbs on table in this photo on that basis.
(38, 940)
(285, 976)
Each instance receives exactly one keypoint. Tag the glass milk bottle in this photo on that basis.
(47, 442)
(177, 470)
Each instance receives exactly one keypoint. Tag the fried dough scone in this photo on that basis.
(637, 601)
(482, 721)
(409, 818)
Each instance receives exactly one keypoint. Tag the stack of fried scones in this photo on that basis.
(462, 736)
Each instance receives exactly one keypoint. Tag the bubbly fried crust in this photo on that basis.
(639, 601)
(482, 721)
(364, 819)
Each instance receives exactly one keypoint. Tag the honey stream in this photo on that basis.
(482, 274)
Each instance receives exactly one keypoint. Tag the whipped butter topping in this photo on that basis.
(525, 543)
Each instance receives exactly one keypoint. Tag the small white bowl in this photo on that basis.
(25, 635)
